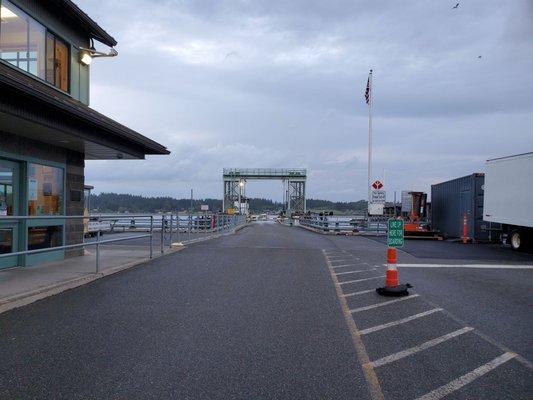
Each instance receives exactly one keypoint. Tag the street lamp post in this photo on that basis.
(241, 186)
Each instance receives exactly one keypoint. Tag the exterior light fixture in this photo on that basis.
(87, 55)
(241, 183)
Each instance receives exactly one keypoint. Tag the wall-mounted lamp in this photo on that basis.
(87, 55)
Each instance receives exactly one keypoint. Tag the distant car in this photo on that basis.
(93, 226)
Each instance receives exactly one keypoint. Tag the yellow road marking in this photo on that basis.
(368, 370)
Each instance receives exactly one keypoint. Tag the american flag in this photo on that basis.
(367, 91)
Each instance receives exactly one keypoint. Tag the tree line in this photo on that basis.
(115, 202)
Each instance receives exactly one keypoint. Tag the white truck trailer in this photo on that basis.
(508, 198)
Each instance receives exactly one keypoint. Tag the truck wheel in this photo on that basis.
(516, 240)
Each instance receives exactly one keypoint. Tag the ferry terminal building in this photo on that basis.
(47, 129)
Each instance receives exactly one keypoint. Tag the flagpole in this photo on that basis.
(369, 136)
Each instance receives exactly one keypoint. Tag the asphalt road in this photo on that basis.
(274, 313)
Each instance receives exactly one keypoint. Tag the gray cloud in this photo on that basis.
(277, 83)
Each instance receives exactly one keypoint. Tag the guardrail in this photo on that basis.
(354, 223)
(171, 224)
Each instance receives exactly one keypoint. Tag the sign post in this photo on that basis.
(394, 240)
(395, 233)
(377, 199)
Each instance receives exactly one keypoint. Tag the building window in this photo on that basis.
(6, 191)
(26, 44)
(45, 190)
(43, 237)
(57, 62)
(6, 240)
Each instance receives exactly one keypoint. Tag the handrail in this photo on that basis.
(22, 217)
(71, 246)
(216, 224)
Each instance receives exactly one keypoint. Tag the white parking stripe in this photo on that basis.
(458, 383)
(420, 347)
(361, 280)
(358, 293)
(399, 322)
(385, 303)
(479, 266)
(343, 265)
(355, 272)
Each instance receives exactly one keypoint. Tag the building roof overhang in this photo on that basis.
(39, 111)
(82, 20)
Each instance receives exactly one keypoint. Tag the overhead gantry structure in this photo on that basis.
(293, 180)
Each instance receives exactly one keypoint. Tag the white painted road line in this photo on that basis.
(358, 293)
(385, 303)
(399, 322)
(361, 280)
(355, 272)
(420, 347)
(479, 266)
(458, 383)
(343, 265)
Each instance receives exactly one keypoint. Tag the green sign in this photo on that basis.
(395, 233)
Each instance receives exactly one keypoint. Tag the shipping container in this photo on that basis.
(452, 200)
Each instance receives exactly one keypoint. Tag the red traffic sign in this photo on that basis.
(377, 185)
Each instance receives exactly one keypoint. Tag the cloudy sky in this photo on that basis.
(280, 84)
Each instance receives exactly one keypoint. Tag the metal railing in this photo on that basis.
(168, 225)
(353, 223)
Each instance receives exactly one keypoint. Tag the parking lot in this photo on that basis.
(415, 347)
(278, 312)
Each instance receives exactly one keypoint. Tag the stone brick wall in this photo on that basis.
(74, 177)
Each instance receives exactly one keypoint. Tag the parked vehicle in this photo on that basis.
(509, 198)
(93, 226)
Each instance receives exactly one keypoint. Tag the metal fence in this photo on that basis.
(182, 228)
(353, 223)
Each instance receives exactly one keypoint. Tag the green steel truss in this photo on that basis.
(294, 181)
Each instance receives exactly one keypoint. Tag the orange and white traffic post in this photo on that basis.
(391, 277)
(392, 282)
(465, 229)
(395, 238)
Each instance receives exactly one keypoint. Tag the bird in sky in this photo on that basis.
(478, 56)
(455, 6)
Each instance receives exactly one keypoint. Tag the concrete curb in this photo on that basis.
(23, 299)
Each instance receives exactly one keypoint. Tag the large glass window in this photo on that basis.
(6, 208)
(45, 190)
(36, 49)
(6, 191)
(26, 44)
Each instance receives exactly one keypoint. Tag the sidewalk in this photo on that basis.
(22, 286)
